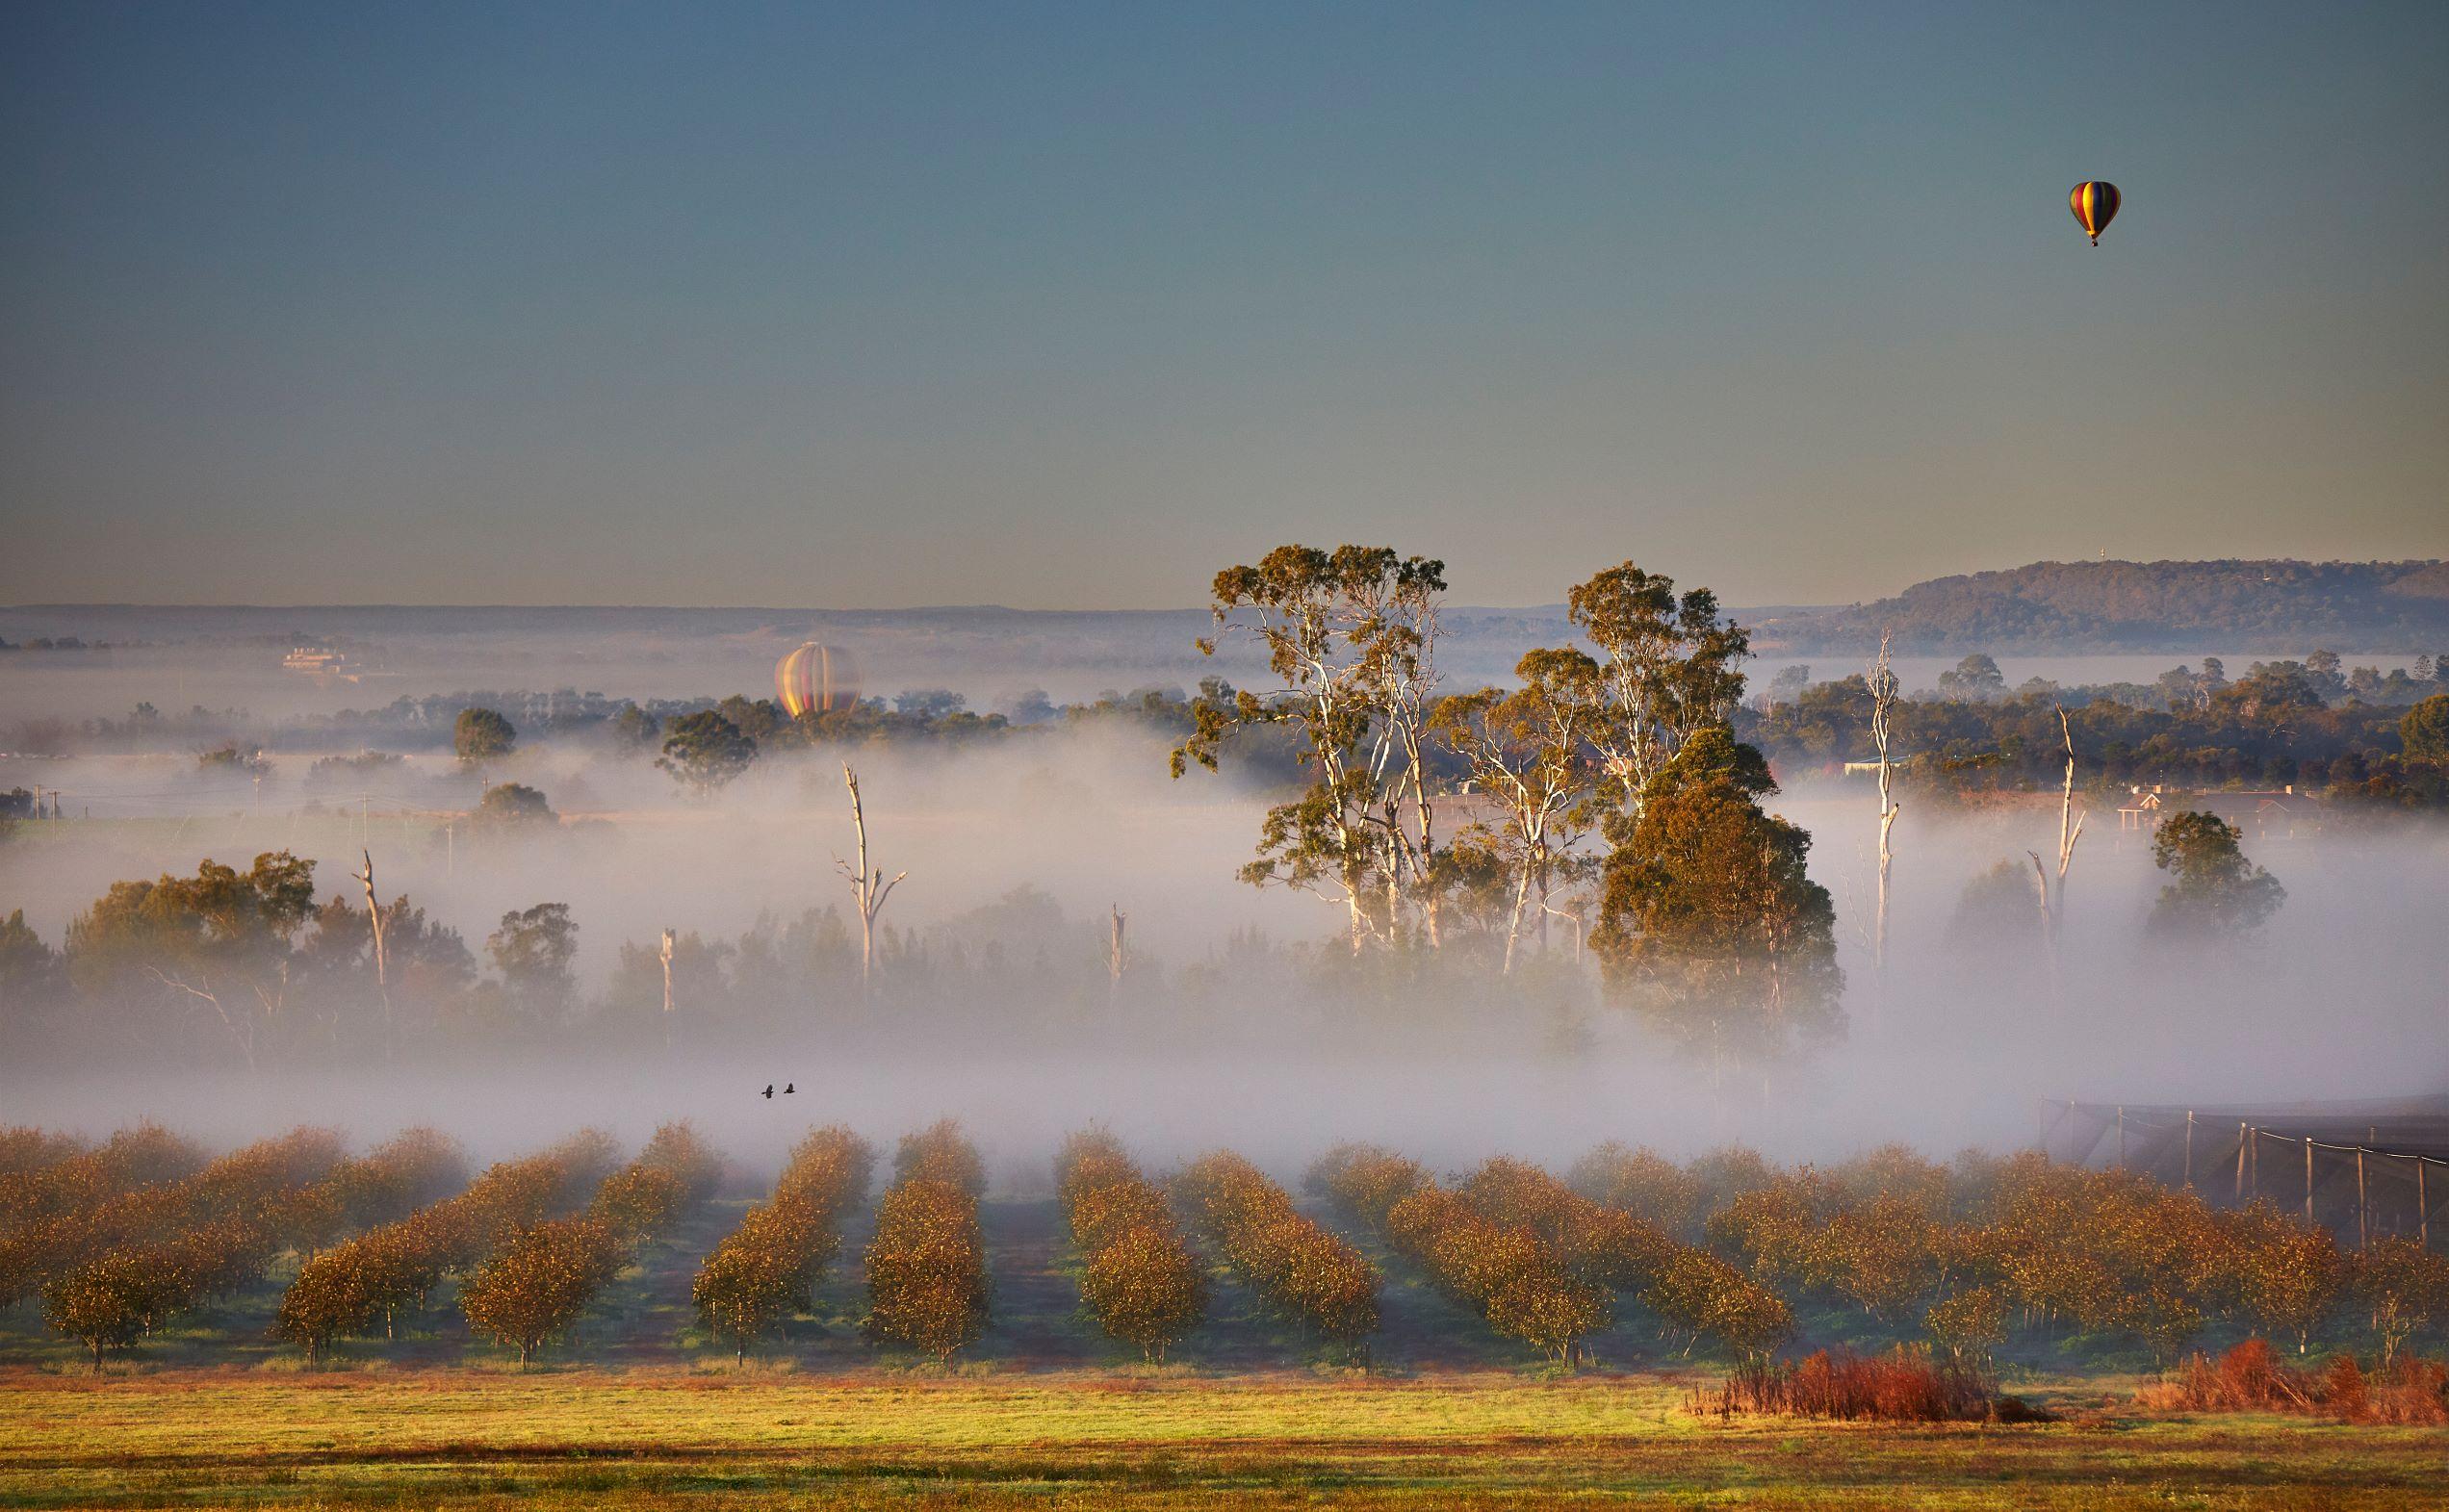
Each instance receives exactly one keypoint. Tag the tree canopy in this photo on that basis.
(1708, 923)
(482, 734)
(704, 752)
(2216, 893)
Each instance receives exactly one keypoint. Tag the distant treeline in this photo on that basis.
(2309, 724)
(2133, 607)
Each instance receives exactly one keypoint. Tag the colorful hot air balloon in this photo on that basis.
(815, 678)
(2095, 205)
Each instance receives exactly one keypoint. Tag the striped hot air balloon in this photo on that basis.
(815, 678)
(2095, 205)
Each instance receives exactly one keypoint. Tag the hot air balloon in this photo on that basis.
(815, 678)
(2095, 205)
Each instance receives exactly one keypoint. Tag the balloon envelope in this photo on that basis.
(2095, 204)
(815, 678)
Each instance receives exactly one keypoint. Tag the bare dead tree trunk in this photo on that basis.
(382, 969)
(2070, 823)
(1883, 703)
(1115, 956)
(2069, 831)
(2049, 925)
(667, 988)
(868, 888)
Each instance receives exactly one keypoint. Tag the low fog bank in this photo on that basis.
(1234, 1027)
(1282, 1114)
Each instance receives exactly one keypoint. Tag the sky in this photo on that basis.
(1071, 306)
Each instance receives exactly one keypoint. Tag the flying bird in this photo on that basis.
(789, 1088)
(769, 1088)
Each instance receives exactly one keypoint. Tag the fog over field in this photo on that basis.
(1216, 1034)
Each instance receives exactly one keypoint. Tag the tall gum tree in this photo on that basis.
(1525, 751)
(1671, 665)
(1350, 636)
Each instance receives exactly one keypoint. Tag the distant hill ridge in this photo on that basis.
(2237, 605)
(2276, 608)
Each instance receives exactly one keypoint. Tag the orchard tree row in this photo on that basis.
(1305, 1275)
(536, 1284)
(1137, 1275)
(388, 1269)
(766, 1272)
(927, 1286)
(1982, 1257)
(119, 1270)
(1543, 1264)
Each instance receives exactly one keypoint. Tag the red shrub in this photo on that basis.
(1907, 1386)
(2250, 1379)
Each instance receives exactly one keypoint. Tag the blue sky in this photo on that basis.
(1071, 305)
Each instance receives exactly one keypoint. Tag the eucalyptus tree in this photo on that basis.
(1524, 751)
(1670, 665)
(1351, 637)
(223, 939)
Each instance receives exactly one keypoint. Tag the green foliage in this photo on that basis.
(705, 752)
(1999, 908)
(2423, 735)
(222, 938)
(1975, 679)
(244, 761)
(1671, 666)
(31, 972)
(482, 734)
(513, 805)
(532, 950)
(634, 728)
(1709, 925)
(2217, 894)
(1349, 635)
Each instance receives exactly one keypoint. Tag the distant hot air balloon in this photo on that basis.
(2095, 205)
(815, 678)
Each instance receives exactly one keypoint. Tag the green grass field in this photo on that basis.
(635, 1410)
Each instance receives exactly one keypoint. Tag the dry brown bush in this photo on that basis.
(1908, 1385)
(2250, 1377)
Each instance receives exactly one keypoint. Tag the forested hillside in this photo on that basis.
(2110, 606)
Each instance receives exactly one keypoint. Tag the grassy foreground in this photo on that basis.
(568, 1439)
